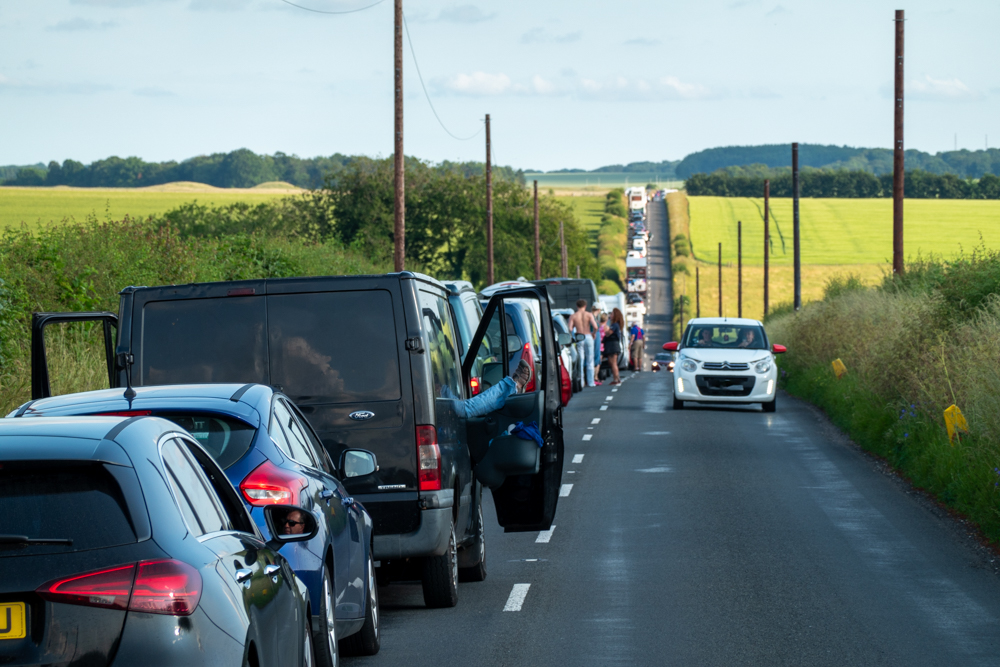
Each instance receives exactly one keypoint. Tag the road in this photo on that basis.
(713, 537)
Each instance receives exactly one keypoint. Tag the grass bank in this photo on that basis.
(912, 346)
(612, 243)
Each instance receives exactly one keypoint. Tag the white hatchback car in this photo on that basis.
(725, 360)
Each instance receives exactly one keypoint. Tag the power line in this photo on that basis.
(320, 11)
(420, 76)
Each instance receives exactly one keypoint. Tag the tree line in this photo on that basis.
(241, 168)
(918, 184)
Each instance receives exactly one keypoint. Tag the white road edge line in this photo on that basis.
(578, 458)
(544, 536)
(564, 490)
(516, 599)
(587, 436)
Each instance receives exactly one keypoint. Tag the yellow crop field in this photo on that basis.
(842, 231)
(31, 205)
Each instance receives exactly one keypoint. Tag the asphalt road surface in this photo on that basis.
(712, 536)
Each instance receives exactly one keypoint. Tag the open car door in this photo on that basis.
(524, 477)
(80, 341)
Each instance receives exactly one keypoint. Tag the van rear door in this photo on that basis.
(74, 342)
(525, 497)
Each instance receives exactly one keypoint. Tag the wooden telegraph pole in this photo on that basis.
(564, 263)
(897, 156)
(767, 239)
(797, 259)
(739, 268)
(399, 214)
(720, 280)
(538, 242)
(697, 292)
(489, 207)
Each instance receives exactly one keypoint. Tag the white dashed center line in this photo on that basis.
(604, 407)
(587, 436)
(564, 490)
(578, 458)
(544, 536)
(613, 390)
(595, 420)
(609, 398)
(516, 599)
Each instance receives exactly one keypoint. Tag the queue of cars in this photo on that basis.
(302, 440)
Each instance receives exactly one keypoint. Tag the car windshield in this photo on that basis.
(725, 336)
(663, 356)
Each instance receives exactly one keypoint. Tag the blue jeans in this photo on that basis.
(588, 359)
(492, 399)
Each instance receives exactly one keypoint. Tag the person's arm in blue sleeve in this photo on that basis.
(492, 399)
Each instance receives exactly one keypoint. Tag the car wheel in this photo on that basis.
(476, 572)
(325, 639)
(308, 658)
(366, 641)
(771, 406)
(678, 404)
(440, 576)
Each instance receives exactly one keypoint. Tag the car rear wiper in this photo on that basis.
(23, 541)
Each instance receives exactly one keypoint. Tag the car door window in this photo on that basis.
(192, 491)
(223, 489)
(297, 448)
(316, 448)
(487, 364)
(440, 331)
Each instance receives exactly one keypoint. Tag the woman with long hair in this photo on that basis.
(613, 342)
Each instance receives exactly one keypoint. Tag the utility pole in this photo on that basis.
(697, 292)
(577, 271)
(739, 268)
(767, 237)
(680, 320)
(897, 155)
(564, 260)
(538, 242)
(797, 248)
(399, 213)
(720, 280)
(489, 206)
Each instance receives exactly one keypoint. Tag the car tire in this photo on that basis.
(476, 572)
(367, 640)
(678, 404)
(440, 576)
(325, 645)
(770, 406)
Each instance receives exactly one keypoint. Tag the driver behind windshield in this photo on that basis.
(704, 338)
(747, 337)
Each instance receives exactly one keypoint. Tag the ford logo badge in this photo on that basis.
(361, 415)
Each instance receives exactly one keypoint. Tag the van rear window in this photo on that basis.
(81, 502)
(203, 340)
(334, 347)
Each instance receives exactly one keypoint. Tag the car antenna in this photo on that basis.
(125, 360)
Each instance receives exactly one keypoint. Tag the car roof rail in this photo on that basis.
(24, 408)
(239, 392)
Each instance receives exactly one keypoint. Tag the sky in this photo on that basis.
(577, 84)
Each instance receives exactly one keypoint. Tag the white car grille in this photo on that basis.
(724, 366)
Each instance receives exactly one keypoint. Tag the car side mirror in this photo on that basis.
(513, 343)
(289, 523)
(778, 349)
(357, 463)
(565, 339)
(671, 346)
(580, 338)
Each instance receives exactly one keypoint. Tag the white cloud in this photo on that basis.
(541, 86)
(780, 10)
(543, 36)
(663, 88)
(930, 88)
(80, 24)
(464, 14)
(478, 84)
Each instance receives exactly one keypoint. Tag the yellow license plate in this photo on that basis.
(12, 623)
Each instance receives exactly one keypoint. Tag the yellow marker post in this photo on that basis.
(839, 369)
(955, 422)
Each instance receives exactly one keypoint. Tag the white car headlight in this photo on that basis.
(689, 365)
(763, 366)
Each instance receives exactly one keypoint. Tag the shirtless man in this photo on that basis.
(582, 321)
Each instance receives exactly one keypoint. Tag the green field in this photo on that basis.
(588, 210)
(842, 231)
(605, 180)
(31, 205)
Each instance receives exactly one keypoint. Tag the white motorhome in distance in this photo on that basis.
(635, 273)
(636, 199)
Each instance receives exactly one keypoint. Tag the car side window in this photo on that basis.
(233, 508)
(192, 491)
(316, 448)
(487, 368)
(293, 434)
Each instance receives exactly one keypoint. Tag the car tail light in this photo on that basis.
(268, 484)
(125, 413)
(428, 459)
(475, 386)
(566, 384)
(160, 587)
(109, 588)
(529, 358)
(166, 587)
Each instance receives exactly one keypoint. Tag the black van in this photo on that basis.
(374, 362)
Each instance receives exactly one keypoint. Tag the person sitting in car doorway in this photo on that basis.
(293, 523)
(496, 396)
(704, 338)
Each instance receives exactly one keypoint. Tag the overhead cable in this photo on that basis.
(322, 11)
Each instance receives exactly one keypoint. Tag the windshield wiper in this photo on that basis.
(24, 540)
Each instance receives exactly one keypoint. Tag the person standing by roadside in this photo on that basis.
(612, 339)
(602, 331)
(637, 342)
(583, 322)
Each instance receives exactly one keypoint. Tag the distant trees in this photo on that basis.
(918, 184)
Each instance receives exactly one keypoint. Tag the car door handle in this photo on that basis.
(326, 494)
(243, 576)
(347, 502)
(271, 569)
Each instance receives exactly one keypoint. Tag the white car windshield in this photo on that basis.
(745, 337)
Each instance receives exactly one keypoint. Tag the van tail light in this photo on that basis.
(268, 484)
(529, 359)
(166, 587)
(160, 587)
(428, 459)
